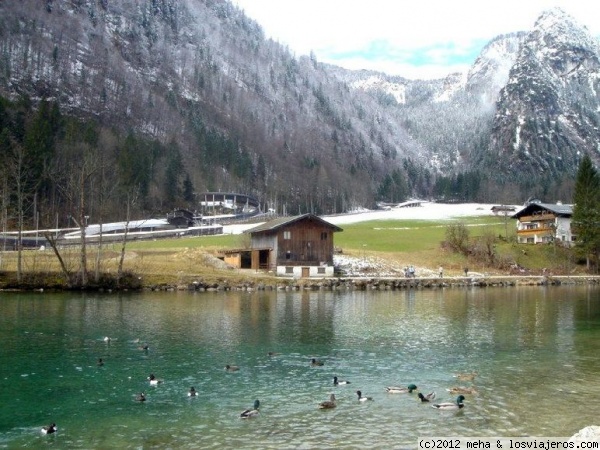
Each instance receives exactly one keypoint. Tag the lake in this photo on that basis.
(536, 352)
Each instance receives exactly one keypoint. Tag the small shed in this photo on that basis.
(299, 246)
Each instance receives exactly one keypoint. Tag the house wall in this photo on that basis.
(544, 228)
(300, 271)
(305, 243)
(563, 230)
(233, 259)
(264, 240)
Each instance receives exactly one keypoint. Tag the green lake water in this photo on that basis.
(536, 351)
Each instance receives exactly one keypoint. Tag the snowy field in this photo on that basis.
(427, 211)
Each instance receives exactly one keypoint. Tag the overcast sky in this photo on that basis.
(411, 38)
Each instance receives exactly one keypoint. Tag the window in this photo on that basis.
(288, 255)
(320, 270)
(287, 235)
(324, 235)
(289, 269)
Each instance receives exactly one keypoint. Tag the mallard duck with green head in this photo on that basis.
(451, 406)
(401, 390)
(251, 412)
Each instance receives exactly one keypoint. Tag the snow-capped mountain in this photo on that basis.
(527, 109)
(247, 115)
(547, 114)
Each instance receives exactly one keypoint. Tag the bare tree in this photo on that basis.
(20, 178)
(132, 198)
(457, 237)
(75, 185)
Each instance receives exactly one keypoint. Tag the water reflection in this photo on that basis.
(535, 351)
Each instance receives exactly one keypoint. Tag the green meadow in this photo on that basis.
(374, 236)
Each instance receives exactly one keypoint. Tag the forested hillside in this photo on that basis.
(109, 103)
(189, 96)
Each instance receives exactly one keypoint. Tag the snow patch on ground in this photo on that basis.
(427, 211)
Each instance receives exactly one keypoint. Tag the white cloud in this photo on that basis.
(415, 39)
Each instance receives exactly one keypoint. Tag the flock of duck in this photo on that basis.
(424, 398)
(254, 411)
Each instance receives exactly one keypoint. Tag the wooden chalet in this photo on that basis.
(298, 246)
(544, 223)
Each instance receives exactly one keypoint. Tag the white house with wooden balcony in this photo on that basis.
(539, 223)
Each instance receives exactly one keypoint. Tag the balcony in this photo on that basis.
(538, 218)
(546, 231)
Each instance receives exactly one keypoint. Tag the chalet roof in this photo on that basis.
(556, 208)
(275, 224)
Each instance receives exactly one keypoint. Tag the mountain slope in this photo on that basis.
(547, 114)
(184, 71)
(234, 111)
(523, 115)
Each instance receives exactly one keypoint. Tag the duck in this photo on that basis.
(192, 392)
(100, 362)
(144, 347)
(273, 354)
(314, 362)
(107, 339)
(153, 380)
(426, 398)
(466, 376)
(229, 368)
(361, 398)
(339, 382)
(328, 404)
(49, 429)
(141, 397)
(451, 406)
(401, 390)
(462, 390)
(253, 412)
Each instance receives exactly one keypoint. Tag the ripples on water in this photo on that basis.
(535, 351)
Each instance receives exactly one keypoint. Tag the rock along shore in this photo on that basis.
(382, 284)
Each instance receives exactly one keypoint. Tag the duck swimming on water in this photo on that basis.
(401, 390)
(451, 406)
(361, 398)
(251, 412)
(426, 398)
(49, 429)
(328, 404)
(153, 380)
(338, 382)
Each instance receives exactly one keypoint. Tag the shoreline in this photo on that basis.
(382, 283)
(247, 282)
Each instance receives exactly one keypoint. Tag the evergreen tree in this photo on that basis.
(586, 212)
(188, 190)
(172, 187)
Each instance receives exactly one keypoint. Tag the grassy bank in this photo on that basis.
(397, 242)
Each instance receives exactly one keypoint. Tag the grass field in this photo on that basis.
(399, 242)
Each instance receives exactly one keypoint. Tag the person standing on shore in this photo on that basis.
(441, 270)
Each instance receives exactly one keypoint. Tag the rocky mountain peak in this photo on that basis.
(547, 112)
